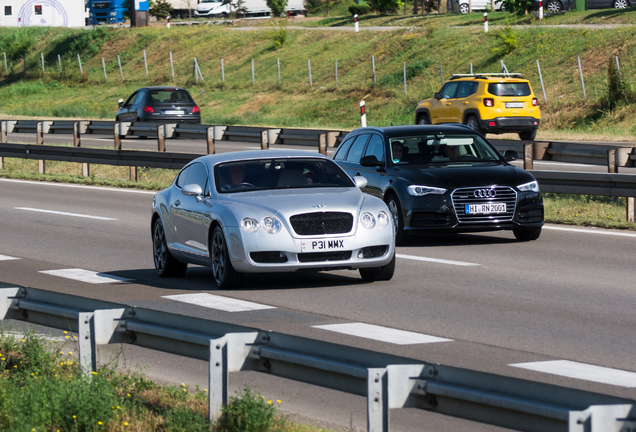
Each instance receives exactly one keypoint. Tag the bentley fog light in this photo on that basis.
(249, 224)
(532, 186)
(367, 220)
(416, 191)
(270, 225)
(383, 218)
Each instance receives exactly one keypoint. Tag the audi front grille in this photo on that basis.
(484, 195)
(321, 223)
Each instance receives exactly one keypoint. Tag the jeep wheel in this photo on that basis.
(473, 123)
(422, 120)
(528, 135)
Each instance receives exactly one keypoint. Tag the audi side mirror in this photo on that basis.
(510, 155)
(370, 161)
(120, 102)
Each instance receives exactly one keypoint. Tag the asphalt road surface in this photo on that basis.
(568, 296)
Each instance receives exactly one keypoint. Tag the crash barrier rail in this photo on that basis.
(388, 381)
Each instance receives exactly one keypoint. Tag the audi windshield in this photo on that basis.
(442, 150)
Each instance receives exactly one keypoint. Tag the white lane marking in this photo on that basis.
(65, 213)
(39, 183)
(7, 258)
(86, 276)
(590, 231)
(436, 260)
(218, 302)
(582, 371)
(382, 334)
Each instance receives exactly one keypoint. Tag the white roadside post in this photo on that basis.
(168, 21)
(355, 21)
(541, 9)
(363, 115)
(485, 22)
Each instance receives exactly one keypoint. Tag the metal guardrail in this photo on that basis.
(387, 381)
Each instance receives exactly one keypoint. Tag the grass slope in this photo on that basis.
(429, 44)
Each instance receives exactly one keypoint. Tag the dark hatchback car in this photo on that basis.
(445, 178)
(161, 105)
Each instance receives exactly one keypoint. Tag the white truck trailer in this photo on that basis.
(223, 8)
(45, 13)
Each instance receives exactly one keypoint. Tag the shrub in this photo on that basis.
(277, 7)
(248, 412)
(412, 70)
(386, 6)
(161, 9)
(506, 41)
(518, 6)
(617, 89)
(360, 9)
(278, 35)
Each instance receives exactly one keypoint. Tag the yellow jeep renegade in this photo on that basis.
(488, 103)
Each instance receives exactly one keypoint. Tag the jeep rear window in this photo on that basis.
(509, 89)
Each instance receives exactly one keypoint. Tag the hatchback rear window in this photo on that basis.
(169, 97)
(509, 89)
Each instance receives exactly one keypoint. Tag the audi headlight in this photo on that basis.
(383, 218)
(249, 224)
(367, 220)
(532, 186)
(416, 191)
(271, 225)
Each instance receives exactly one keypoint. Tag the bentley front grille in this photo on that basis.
(474, 204)
(322, 223)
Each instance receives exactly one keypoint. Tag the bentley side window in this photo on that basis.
(181, 179)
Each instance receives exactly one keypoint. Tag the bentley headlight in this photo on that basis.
(383, 218)
(532, 186)
(416, 191)
(367, 220)
(271, 225)
(249, 224)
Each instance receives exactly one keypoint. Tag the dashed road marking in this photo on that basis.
(436, 260)
(582, 371)
(66, 213)
(86, 276)
(226, 304)
(7, 258)
(382, 334)
(38, 183)
(591, 231)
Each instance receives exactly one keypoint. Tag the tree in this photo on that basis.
(161, 9)
(520, 7)
(277, 6)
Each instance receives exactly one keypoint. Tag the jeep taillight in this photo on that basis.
(535, 102)
(148, 109)
(195, 109)
(489, 102)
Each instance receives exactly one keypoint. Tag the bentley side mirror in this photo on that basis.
(192, 190)
(510, 155)
(360, 181)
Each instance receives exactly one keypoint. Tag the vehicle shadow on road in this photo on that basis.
(198, 278)
(449, 239)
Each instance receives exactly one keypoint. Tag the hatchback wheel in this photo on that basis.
(225, 276)
(165, 264)
(554, 6)
(621, 4)
(463, 8)
(383, 273)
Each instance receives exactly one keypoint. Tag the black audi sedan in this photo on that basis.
(161, 105)
(443, 178)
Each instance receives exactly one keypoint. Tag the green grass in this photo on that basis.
(429, 45)
(44, 389)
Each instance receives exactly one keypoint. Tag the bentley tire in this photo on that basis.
(225, 277)
(383, 273)
(165, 264)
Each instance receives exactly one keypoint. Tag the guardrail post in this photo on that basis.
(377, 400)
(86, 170)
(133, 174)
(219, 377)
(630, 209)
(39, 140)
(86, 337)
(3, 132)
(209, 137)
(264, 142)
(611, 161)
(161, 138)
(528, 153)
(76, 134)
(117, 136)
(322, 144)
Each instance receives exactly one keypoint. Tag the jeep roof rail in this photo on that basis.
(483, 75)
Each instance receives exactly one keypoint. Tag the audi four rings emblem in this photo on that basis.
(484, 193)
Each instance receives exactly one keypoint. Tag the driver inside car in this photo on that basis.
(235, 175)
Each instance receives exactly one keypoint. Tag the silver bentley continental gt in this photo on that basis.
(270, 211)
